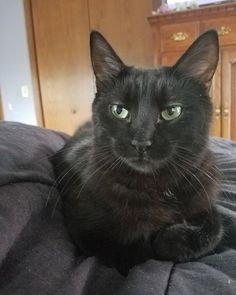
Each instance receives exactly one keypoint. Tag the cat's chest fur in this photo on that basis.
(134, 207)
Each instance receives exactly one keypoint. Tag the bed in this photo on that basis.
(38, 257)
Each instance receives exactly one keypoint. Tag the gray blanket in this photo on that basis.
(37, 256)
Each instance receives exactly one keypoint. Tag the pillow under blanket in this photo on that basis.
(37, 256)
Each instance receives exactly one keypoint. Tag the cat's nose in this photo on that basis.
(141, 146)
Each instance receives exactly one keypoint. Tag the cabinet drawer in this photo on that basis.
(226, 28)
(178, 36)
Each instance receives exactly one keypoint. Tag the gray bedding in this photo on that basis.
(37, 256)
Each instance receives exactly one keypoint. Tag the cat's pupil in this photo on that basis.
(170, 111)
(119, 109)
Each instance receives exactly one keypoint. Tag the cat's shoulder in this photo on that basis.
(80, 143)
(83, 131)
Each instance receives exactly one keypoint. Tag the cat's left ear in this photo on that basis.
(106, 63)
(201, 59)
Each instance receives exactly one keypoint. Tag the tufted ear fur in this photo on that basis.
(201, 59)
(106, 63)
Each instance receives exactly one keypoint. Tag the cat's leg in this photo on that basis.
(112, 254)
(189, 240)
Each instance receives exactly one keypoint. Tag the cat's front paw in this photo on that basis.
(179, 243)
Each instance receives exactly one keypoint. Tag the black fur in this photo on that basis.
(143, 187)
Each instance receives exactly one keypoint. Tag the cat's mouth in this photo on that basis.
(140, 160)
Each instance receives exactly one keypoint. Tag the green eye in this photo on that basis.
(119, 112)
(171, 113)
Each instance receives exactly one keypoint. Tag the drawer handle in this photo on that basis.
(223, 31)
(180, 36)
(226, 112)
(217, 112)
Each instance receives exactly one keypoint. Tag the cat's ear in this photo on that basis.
(106, 63)
(201, 59)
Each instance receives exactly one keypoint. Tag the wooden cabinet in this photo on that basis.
(228, 90)
(169, 58)
(173, 33)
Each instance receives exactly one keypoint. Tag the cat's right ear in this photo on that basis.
(200, 60)
(106, 63)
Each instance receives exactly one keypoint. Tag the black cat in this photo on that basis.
(139, 181)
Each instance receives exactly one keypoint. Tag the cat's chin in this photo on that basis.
(141, 165)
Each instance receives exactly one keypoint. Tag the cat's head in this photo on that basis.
(149, 117)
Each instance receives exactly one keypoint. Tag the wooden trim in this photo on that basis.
(33, 62)
(233, 104)
(211, 11)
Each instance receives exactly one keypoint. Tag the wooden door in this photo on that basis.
(61, 35)
(124, 24)
(228, 82)
(61, 32)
